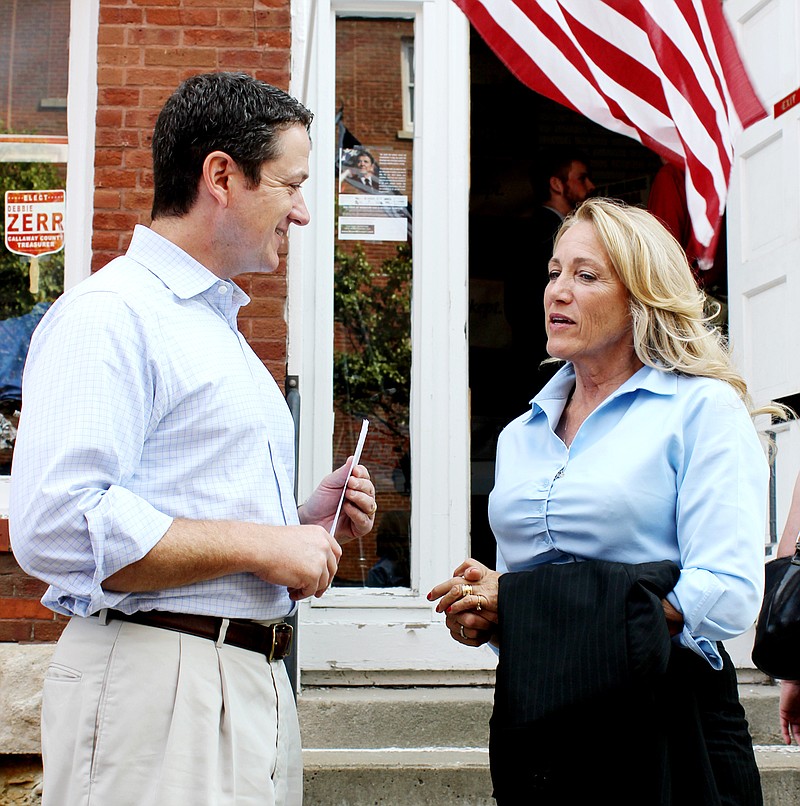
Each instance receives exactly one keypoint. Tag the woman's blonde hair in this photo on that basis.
(671, 330)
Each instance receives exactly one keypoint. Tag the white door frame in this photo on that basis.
(764, 220)
(353, 635)
(81, 113)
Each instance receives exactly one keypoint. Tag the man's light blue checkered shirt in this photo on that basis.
(142, 402)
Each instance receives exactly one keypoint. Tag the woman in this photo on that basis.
(640, 450)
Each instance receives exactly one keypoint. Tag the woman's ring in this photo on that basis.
(461, 630)
(466, 590)
(478, 606)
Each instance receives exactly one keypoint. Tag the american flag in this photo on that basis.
(665, 72)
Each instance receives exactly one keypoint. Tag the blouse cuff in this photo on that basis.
(702, 646)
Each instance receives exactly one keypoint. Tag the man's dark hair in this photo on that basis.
(230, 112)
(362, 152)
(554, 161)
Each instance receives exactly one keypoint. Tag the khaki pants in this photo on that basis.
(140, 716)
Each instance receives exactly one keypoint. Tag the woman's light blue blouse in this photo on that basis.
(667, 467)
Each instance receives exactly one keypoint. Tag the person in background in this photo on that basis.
(152, 483)
(789, 706)
(560, 181)
(640, 450)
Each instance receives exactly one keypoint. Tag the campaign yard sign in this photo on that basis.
(34, 226)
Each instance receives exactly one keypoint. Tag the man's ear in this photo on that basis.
(556, 186)
(218, 168)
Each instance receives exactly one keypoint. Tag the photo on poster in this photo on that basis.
(373, 205)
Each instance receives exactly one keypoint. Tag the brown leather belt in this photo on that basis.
(273, 641)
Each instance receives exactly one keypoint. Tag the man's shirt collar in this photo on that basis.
(178, 270)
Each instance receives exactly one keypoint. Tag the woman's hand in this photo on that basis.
(789, 710)
(674, 618)
(471, 615)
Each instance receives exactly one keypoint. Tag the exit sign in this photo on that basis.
(785, 104)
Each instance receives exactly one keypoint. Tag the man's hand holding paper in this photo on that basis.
(344, 502)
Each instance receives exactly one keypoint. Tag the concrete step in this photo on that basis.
(428, 717)
(371, 717)
(761, 706)
(459, 776)
(391, 776)
(366, 746)
(780, 774)
(397, 777)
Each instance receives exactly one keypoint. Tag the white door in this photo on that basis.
(764, 223)
(764, 241)
(357, 633)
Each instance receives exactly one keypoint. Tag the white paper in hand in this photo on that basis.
(356, 456)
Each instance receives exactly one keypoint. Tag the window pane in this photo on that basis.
(34, 65)
(372, 288)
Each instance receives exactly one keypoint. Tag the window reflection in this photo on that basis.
(372, 287)
(34, 60)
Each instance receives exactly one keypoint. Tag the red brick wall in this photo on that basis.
(145, 49)
(22, 617)
(368, 78)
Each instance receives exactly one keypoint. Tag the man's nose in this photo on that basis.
(300, 214)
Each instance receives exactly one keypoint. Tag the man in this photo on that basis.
(368, 170)
(560, 181)
(153, 476)
(364, 177)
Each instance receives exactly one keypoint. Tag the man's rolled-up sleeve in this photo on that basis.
(90, 397)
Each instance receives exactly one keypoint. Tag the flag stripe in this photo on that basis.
(616, 62)
(688, 103)
(667, 74)
(575, 46)
(668, 60)
(695, 117)
(703, 106)
(549, 62)
(511, 53)
(727, 62)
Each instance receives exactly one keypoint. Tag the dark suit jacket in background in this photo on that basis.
(526, 253)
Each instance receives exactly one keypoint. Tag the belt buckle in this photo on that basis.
(281, 641)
